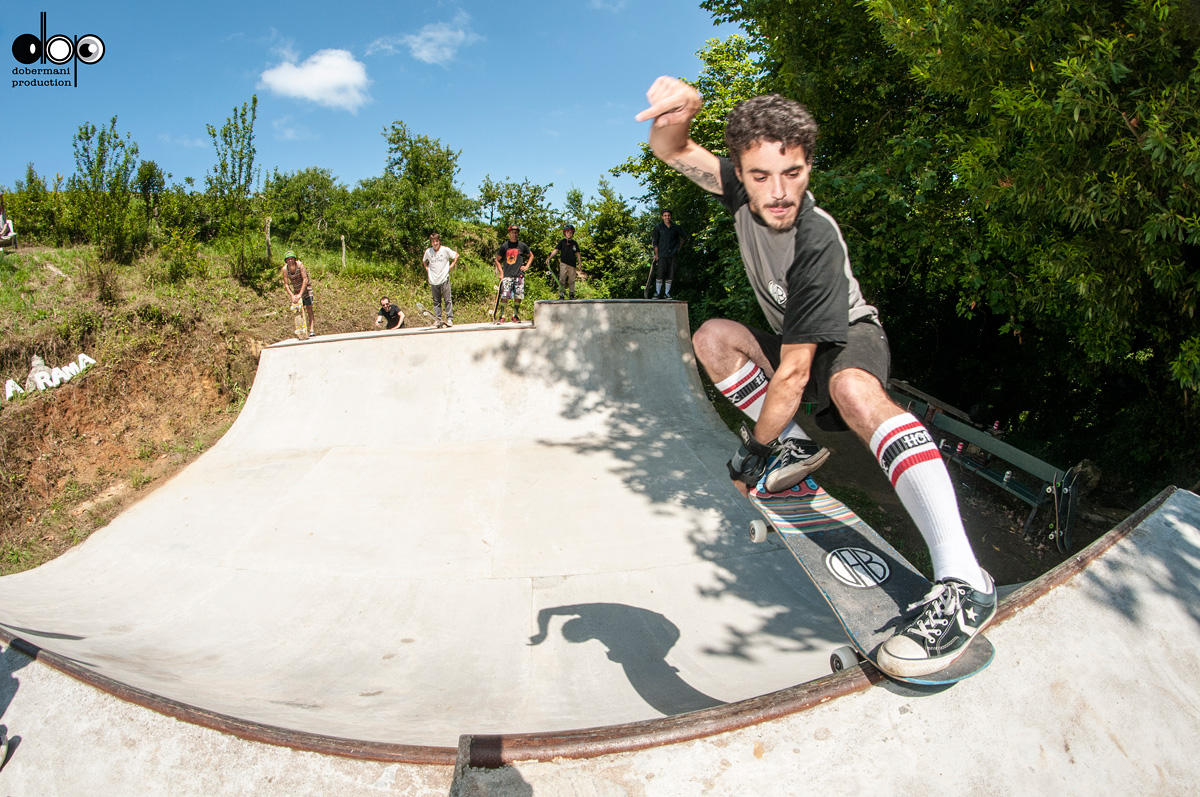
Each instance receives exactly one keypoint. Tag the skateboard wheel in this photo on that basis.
(842, 658)
(758, 530)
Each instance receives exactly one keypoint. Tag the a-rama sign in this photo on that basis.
(43, 378)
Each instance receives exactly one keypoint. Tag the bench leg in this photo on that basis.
(1029, 520)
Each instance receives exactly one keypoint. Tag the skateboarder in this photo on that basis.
(512, 261)
(298, 286)
(439, 262)
(569, 261)
(667, 238)
(828, 347)
(391, 314)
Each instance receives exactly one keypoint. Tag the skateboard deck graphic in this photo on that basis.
(865, 581)
(299, 325)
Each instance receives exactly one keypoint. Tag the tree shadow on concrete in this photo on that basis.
(1165, 562)
(629, 367)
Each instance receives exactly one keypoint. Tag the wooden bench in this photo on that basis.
(979, 453)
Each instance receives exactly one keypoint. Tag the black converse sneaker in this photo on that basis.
(794, 459)
(950, 616)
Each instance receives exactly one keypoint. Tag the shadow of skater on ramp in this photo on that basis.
(637, 639)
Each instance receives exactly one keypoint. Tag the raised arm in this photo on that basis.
(673, 106)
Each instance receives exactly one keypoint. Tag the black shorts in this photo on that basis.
(306, 300)
(866, 348)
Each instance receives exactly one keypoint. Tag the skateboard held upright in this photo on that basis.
(299, 325)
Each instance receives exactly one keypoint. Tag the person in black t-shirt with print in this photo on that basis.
(512, 261)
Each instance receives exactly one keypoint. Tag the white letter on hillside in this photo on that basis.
(11, 387)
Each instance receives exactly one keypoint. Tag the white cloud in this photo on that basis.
(332, 78)
(183, 141)
(287, 130)
(607, 5)
(436, 43)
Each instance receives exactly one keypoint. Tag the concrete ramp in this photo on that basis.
(410, 536)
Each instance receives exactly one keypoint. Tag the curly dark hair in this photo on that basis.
(771, 117)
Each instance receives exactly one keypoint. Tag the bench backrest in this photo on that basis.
(1026, 462)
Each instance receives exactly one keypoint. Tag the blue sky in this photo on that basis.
(539, 90)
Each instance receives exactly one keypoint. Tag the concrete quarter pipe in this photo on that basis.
(406, 537)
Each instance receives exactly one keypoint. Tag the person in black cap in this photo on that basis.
(568, 261)
(512, 261)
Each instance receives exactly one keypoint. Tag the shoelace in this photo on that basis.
(941, 603)
(792, 448)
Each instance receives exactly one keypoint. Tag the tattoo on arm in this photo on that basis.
(706, 180)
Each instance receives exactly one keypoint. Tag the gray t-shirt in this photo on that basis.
(801, 277)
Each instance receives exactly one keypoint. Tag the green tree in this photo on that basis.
(423, 173)
(230, 180)
(525, 204)
(1017, 187)
(1083, 154)
(102, 189)
(150, 182)
(305, 206)
(31, 206)
(614, 238)
(711, 275)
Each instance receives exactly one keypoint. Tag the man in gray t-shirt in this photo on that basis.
(439, 261)
(827, 345)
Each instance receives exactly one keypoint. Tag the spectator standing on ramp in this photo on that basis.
(512, 261)
(667, 238)
(828, 347)
(298, 286)
(568, 261)
(389, 313)
(439, 262)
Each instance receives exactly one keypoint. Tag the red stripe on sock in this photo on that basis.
(732, 388)
(916, 458)
(892, 435)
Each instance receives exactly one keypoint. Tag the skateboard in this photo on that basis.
(299, 325)
(865, 581)
(553, 276)
(648, 293)
(1065, 498)
(421, 309)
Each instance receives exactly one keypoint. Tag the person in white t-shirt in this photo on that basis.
(439, 260)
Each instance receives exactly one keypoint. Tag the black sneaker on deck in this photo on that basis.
(950, 616)
(794, 460)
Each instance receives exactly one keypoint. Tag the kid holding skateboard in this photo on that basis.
(298, 286)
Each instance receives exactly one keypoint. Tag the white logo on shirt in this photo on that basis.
(777, 293)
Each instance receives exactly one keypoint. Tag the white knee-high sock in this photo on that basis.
(912, 461)
(747, 389)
